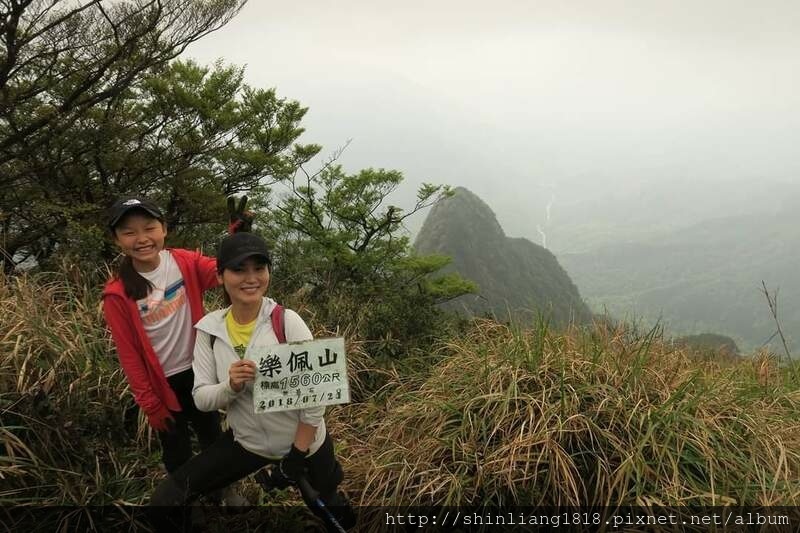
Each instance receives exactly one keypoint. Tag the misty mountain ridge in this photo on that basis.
(705, 277)
(578, 217)
(516, 278)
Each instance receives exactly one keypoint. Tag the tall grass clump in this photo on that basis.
(70, 435)
(597, 416)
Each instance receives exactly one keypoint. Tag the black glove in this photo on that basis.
(239, 219)
(293, 465)
(271, 478)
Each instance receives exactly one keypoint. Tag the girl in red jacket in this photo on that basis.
(151, 306)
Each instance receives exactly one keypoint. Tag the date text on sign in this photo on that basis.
(300, 375)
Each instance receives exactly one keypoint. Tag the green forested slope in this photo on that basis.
(514, 276)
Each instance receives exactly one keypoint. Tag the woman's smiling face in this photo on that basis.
(247, 282)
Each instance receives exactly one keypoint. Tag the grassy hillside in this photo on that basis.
(600, 415)
(515, 277)
(603, 416)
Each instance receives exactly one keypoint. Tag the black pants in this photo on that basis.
(227, 461)
(176, 445)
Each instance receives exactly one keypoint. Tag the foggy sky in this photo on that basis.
(566, 97)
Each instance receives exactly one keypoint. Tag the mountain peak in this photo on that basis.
(516, 278)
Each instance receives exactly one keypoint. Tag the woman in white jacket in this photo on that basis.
(295, 441)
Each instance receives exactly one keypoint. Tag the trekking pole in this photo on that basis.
(311, 495)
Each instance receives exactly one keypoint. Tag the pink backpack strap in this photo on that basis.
(277, 323)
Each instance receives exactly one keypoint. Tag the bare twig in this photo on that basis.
(772, 301)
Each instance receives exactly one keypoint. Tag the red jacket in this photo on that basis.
(136, 355)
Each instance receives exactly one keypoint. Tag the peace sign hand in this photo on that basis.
(239, 219)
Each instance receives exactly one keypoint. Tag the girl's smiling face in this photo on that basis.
(247, 282)
(141, 236)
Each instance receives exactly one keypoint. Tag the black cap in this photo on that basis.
(123, 205)
(237, 247)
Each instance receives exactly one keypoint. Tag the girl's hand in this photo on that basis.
(240, 373)
(162, 420)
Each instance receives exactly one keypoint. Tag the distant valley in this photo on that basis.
(703, 278)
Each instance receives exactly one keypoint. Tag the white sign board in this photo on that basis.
(300, 375)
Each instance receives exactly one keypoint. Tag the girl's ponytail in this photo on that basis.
(136, 286)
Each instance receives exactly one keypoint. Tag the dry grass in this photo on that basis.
(64, 400)
(603, 417)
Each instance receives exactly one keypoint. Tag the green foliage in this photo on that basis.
(72, 135)
(122, 118)
(339, 244)
(93, 109)
(185, 136)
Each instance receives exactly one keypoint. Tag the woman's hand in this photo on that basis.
(240, 373)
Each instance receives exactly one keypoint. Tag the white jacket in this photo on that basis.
(267, 434)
